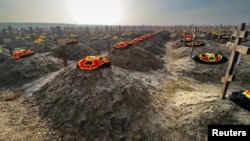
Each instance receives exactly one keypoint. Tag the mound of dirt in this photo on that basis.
(98, 46)
(150, 46)
(47, 46)
(202, 72)
(4, 55)
(74, 51)
(162, 37)
(135, 58)
(18, 43)
(182, 63)
(16, 72)
(102, 104)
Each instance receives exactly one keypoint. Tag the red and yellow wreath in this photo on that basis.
(143, 37)
(196, 43)
(246, 93)
(93, 62)
(188, 37)
(135, 41)
(210, 57)
(21, 53)
(149, 36)
(122, 44)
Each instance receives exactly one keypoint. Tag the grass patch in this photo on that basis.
(170, 51)
(171, 86)
(183, 79)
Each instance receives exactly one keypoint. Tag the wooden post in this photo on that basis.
(7, 42)
(239, 34)
(62, 51)
(64, 56)
(184, 33)
(194, 32)
(108, 43)
(219, 32)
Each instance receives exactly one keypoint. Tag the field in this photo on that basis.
(152, 91)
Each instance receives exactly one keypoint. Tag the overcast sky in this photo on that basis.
(126, 12)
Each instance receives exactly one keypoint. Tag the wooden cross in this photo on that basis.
(61, 42)
(107, 38)
(192, 49)
(236, 50)
(184, 33)
(7, 41)
(62, 51)
(219, 32)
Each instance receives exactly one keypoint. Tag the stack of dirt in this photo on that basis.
(203, 72)
(153, 47)
(143, 56)
(16, 72)
(162, 37)
(182, 62)
(103, 104)
(135, 58)
(98, 46)
(74, 51)
(47, 46)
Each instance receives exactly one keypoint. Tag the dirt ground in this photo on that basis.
(180, 106)
(19, 121)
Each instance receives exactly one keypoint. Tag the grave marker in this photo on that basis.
(184, 33)
(61, 42)
(62, 52)
(194, 34)
(237, 49)
(7, 42)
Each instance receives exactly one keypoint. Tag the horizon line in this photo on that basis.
(190, 24)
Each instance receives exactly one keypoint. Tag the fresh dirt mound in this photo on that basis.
(100, 104)
(182, 63)
(150, 46)
(135, 58)
(162, 37)
(47, 46)
(16, 72)
(75, 51)
(98, 46)
(202, 72)
(16, 43)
